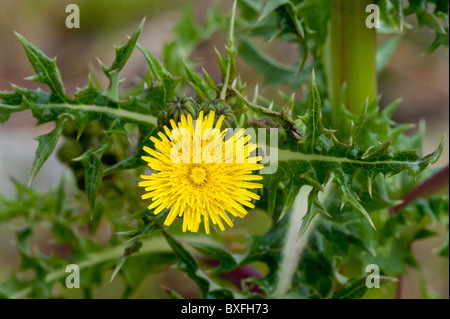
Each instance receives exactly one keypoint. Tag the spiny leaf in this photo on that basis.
(210, 82)
(314, 207)
(46, 70)
(134, 247)
(227, 261)
(270, 6)
(200, 85)
(385, 51)
(10, 102)
(268, 249)
(188, 34)
(443, 249)
(357, 128)
(318, 157)
(13, 288)
(291, 24)
(274, 72)
(123, 53)
(135, 240)
(314, 267)
(188, 264)
(187, 27)
(440, 39)
(47, 144)
(315, 15)
(392, 13)
(153, 262)
(288, 23)
(134, 160)
(356, 288)
(162, 91)
(395, 237)
(92, 104)
(94, 172)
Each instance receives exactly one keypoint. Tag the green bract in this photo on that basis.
(175, 109)
(220, 108)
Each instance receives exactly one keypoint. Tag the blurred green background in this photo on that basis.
(422, 82)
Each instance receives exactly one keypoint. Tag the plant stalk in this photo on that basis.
(435, 184)
(293, 245)
(399, 291)
(349, 55)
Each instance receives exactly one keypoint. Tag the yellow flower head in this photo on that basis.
(199, 174)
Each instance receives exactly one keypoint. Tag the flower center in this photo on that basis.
(197, 175)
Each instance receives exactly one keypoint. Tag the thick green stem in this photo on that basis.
(350, 54)
(293, 245)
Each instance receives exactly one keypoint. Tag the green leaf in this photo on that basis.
(392, 13)
(172, 293)
(188, 264)
(187, 28)
(308, 257)
(13, 288)
(133, 248)
(47, 144)
(188, 34)
(315, 272)
(395, 237)
(94, 172)
(215, 20)
(92, 104)
(443, 249)
(268, 249)
(250, 9)
(10, 102)
(289, 23)
(385, 51)
(46, 70)
(316, 14)
(314, 207)
(227, 261)
(164, 84)
(341, 238)
(154, 262)
(274, 72)
(136, 237)
(210, 82)
(356, 288)
(330, 246)
(315, 156)
(94, 258)
(135, 159)
(270, 6)
(123, 53)
(200, 85)
(440, 39)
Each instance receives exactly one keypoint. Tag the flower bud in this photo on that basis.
(175, 109)
(220, 107)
